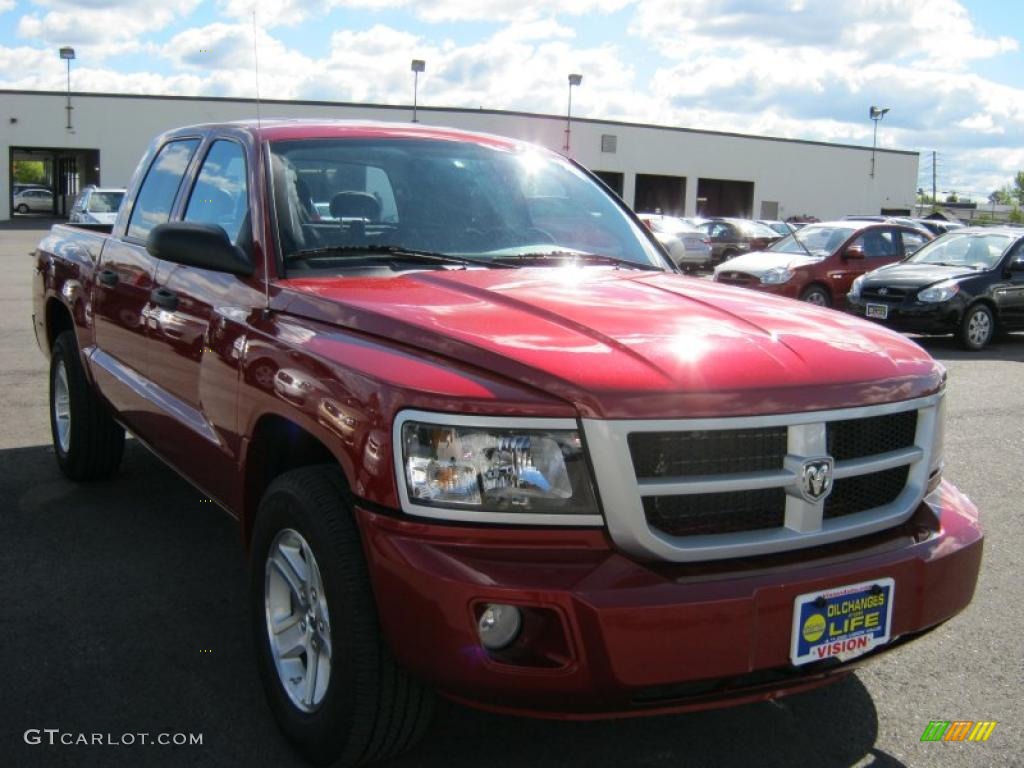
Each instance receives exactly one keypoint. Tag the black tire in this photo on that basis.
(816, 295)
(22, 208)
(977, 327)
(371, 708)
(94, 444)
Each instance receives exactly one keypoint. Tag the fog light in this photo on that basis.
(499, 626)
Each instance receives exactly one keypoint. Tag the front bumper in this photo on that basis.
(620, 638)
(914, 316)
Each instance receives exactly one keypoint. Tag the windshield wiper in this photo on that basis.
(591, 258)
(393, 251)
(801, 243)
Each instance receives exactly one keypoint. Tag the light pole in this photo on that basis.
(876, 114)
(573, 80)
(68, 53)
(418, 65)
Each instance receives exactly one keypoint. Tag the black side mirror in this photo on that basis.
(206, 246)
(1017, 265)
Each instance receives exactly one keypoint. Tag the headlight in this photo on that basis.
(855, 288)
(941, 292)
(777, 276)
(494, 470)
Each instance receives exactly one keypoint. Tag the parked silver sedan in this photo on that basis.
(687, 245)
(35, 199)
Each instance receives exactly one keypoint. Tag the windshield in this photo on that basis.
(446, 197)
(957, 249)
(105, 202)
(814, 238)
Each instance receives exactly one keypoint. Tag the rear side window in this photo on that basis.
(159, 188)
(220, 195)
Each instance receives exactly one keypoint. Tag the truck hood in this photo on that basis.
(627, 344)
(759, 262)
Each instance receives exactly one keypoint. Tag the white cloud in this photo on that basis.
(102, 28)
(810, 71)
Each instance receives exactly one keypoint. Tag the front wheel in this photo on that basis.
(816, 295)
(22, 208)
(327, 672)
(88, 442)
(977, 328)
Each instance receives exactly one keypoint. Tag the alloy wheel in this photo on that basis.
(62, 407)
(979, 328)
(298, 624)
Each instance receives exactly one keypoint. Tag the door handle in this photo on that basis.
(108, 277)
(164, 299)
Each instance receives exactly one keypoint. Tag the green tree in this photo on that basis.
(952, 198)
(1016, 216)
(1018, 187)
(1001, 196)
(29, 172)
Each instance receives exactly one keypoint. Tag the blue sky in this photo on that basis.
(950, 70)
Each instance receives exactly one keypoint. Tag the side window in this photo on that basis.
(912, 241)
(877, 243)
(156, 196)
(220, 195)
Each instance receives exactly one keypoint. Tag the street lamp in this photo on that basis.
(573, 80)
(68, 53)
(418, 65)
(876, 114)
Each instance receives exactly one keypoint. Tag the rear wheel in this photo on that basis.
(816, 295)
(977, 327)
(328, 674)
(88, 442)
(22, 208)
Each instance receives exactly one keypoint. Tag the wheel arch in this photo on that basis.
(278, 445)
(58, 320)
(818, 284)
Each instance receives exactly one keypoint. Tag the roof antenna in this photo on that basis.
(259, 145)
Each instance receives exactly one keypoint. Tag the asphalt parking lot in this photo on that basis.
(123, 612)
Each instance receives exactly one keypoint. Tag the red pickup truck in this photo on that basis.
(483, 440)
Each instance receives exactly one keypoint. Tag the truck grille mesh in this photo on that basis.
(704, 513)
(855, 494)
(684, 456)
(857, 438)
(707, 452)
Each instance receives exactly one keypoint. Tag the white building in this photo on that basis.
(678, 170)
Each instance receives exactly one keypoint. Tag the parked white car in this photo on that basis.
(96, 206)
(33, 199)
(687, 245)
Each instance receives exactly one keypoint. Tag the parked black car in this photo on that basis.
(969, 282)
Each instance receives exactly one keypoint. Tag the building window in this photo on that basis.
(609, 143)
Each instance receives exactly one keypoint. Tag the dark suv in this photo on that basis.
(731, 237)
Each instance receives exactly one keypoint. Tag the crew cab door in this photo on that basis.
(195, 343)
(121, 302)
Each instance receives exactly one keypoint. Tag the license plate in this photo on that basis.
(842, 623)
(878, 311)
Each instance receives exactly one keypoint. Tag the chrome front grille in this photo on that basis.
(686, 490)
